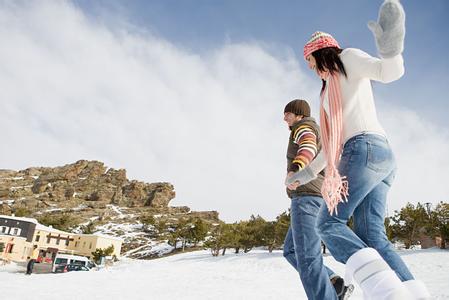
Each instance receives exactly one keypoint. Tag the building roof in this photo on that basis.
(23, 219)
(54, 230)
(39, 226)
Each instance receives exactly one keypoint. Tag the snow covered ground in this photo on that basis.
(197, 275)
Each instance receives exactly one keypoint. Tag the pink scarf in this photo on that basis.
(335, 187)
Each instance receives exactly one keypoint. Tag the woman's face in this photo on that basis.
(312, 65)
(311, 61)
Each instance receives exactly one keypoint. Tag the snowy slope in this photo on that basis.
(198, 275)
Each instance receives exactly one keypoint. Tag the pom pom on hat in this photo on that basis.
(319, 40)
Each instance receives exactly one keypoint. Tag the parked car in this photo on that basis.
(68, 259)
(70, 267)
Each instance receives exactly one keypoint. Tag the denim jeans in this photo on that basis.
(302, 248)
(369, 166)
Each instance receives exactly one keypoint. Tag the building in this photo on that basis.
(16, 236)
(51, 241)
(85, 244)
(19, 235)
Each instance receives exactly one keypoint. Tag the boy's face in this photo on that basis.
(291, 118)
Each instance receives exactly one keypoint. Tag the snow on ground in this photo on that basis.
(117, 210)
(197, 275)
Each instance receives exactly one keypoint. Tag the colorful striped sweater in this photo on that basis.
(306, 139)
(303, 146)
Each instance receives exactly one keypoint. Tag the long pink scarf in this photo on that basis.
(335, 187)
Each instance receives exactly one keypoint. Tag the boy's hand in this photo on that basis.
(293, 186)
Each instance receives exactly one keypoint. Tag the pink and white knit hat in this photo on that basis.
(319, 40)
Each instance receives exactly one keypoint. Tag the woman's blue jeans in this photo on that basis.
(369, 166)
(302, 248)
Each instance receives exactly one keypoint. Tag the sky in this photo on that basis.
(192, 93)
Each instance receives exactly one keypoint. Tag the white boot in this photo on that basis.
(417, 289)
(375, 277)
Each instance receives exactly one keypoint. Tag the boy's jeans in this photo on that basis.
(369, 166)
(302, 248)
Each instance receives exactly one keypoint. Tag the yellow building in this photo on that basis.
(19, 235)
(85, 244)
(14, 248)
(51, 241)
(16, 236)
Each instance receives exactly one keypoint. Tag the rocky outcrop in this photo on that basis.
(82, 181)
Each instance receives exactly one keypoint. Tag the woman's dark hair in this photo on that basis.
(328, 59)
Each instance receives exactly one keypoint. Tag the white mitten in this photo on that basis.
(389, 30)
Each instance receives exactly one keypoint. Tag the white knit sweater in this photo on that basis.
(359, 111)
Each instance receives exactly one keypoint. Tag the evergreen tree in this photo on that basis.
(281, 228)
(88, 229)
(217, 239)
(102, 252)
(409, 222)
(161, 227)
(149, 225)
(252, 233)
(64, 222)
(274, 232)
(230, 237)
(178, 233)
(147, 220)
(269, 235)
(183, 230)
(173, 237)
(233, 235)
(439, 223)
(198, 231)
(389, 229)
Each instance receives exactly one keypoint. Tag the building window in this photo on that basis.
(84, 244)
(76, 244)
(2, 247)
(4, 229)
(15, 231)
(48, 239)
(67, 241)
(90, 245)
(38, 237)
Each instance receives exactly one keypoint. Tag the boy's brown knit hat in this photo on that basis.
(298, 107)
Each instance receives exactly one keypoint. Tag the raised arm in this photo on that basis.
(360, 64)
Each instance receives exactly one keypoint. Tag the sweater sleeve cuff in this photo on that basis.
(304, 176)
(293, 168)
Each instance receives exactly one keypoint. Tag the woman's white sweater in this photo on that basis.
(359, 111)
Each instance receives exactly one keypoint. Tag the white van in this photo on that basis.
(66, 259)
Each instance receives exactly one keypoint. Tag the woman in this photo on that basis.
(360, 165)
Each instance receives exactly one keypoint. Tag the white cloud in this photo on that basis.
(421, 150)
(211, 124)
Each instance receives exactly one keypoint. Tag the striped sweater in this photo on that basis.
(303, 146)
(306, 139)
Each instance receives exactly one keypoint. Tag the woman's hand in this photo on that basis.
(389, 30)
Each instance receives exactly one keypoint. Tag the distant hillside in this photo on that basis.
(87, 196)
